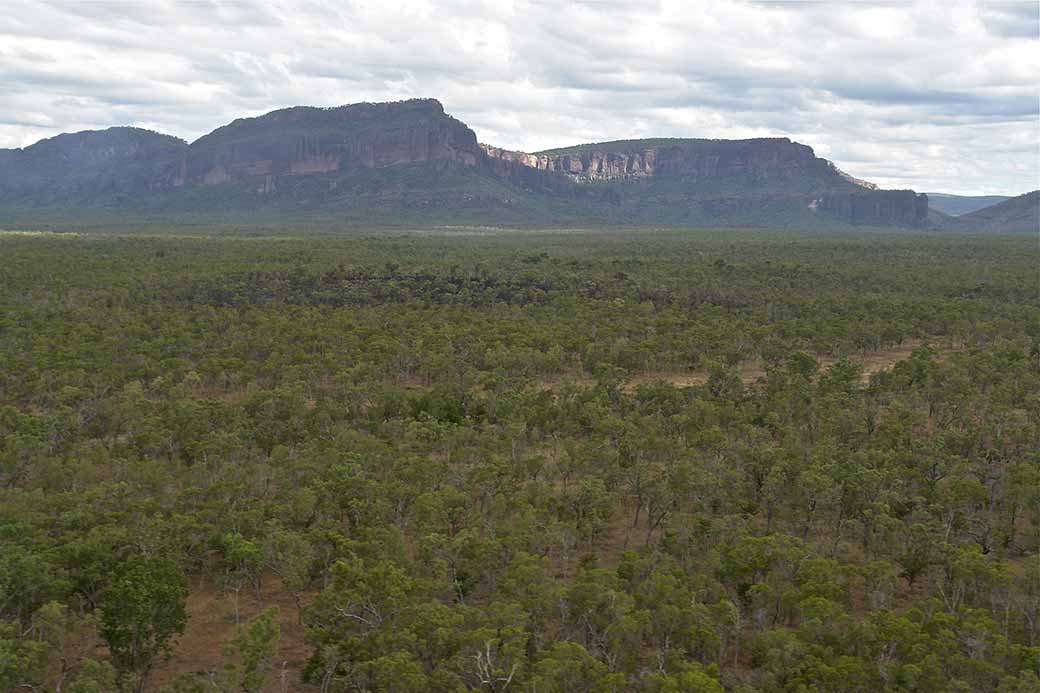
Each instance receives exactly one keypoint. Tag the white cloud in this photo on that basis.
(934, 96)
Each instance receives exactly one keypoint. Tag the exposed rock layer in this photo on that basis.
(692, 159)
(303, 141)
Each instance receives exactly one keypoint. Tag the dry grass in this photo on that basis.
(211, 624)
(873, 362)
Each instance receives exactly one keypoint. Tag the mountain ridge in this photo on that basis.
(256, 166)
(956, 205)
(1019, 214)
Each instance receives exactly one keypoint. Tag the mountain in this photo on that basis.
(768, 181)
(86, 168)
(955, 205)
(303, 140)
(409, 163)
(1015, 215)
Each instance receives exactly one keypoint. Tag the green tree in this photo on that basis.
(252, 652)
(142, 609)
(568, 668)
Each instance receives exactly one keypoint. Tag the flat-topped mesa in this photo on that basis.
(305, 140)
(687, 158)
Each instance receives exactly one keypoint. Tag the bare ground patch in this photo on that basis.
(211, 624)
(872, 361)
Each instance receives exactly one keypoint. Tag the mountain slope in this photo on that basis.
(87, 168)
(955, 205)
(1015, 215)
(411, 163)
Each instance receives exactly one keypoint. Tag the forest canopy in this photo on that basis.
(669, 462)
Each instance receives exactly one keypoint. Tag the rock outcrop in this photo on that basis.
(585, 166)
(692, 159)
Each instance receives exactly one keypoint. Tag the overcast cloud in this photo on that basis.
(941, 96)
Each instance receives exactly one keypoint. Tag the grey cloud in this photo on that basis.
(1016, 19)
(903, 93)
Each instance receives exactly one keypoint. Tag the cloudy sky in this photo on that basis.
(937, 96)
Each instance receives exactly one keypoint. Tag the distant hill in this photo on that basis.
(410, 163)
(84, 169)
(955, 205)
(1015, 215)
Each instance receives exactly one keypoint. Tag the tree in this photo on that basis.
(21, 660)
(291, 557)
(358, 618)
(691, 680)
(243, 561)
(254, 647)
(143, 608)
(568, 668)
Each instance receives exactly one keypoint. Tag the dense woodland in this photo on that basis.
(467, 462)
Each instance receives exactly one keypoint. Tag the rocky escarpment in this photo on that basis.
(721, 175)
(584, 167)
(373, 160)
(303, 141)
(777, 158)
(875, 207)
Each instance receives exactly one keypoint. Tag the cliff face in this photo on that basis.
(302, 141)
(585, 166)
(876, 207)
(694, 159)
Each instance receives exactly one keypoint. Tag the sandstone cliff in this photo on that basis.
(303, 141)
(875, 207)
(777, 158)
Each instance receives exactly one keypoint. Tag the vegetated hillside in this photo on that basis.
(87, 169)
(955, 205)
(386, 164)
(646, 462)
(1016, 215)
